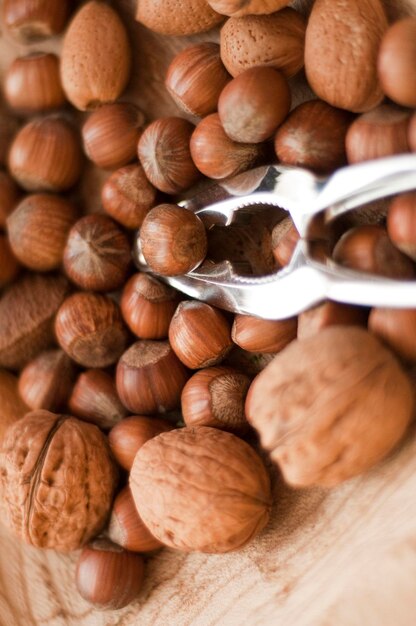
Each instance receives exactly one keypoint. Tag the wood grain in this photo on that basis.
(345, 557)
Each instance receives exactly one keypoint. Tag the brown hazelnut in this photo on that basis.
(165, 155)
(111, 133)
(90, 329)
(9, 265)
(9, 196)
(96, 56)
(330, 313)
(33, 20)
(199, 334)
(396, 61)
(9, 126)
(378, 133)
(147, 306)
(369, 249)
(126, 528)
(285, 236)
(313, 136)
(32, 83)
(173, 240)
(127, 196)
(330, 406)
(107, 576)
(213, 484)
(57, 480)
(12, 406)
(150, 378)
(131, 433)
(215, 396)
(97, 254)
(216, 155)
(27, 310)
(196, 77)
(275, 40)
(38, 229)
(396, 328)
(47, 380)
(254, 104)
(401, 223)
(238, 8)
(46, 155)
(169, 17)
(257, 335)
(94, 399)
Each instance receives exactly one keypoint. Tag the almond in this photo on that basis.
(177, 17)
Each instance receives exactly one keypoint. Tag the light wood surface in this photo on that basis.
(345, 557)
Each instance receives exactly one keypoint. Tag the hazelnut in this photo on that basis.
(199, 334)
(169, 17)
(94, 399)
(127, 196)
(90, 329)
(46, 155)
(397, 329)
(196, 77)
(47, 380)
(107, 576)
(12, 406)
(330, 406)
(147, 306)
(130, 434)
(57, 480)
(165, 155)
(38, 229)
(401, 223)
(96, 56)
(32, 83)
(378, 133)
(27, 310)
(9, 196)
(257, 335)
(173, 240)
(9, 266)
(8, 128)
(330, 313)
(126, 528)
(238, 8)
(213, 484)
(396, 60)
(97, 254)
(216, 155)
(313, 136)
(342, 74)
(285, 237)
(275, 40)
(215, 396)
(111, 133)
(30, 21)
(150, 378)
(254, 104)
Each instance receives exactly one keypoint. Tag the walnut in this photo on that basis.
(201, 489)
(57, 480)
(330, 406)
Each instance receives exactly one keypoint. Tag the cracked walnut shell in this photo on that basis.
(330, 406)
(57, 480)
(201, 489)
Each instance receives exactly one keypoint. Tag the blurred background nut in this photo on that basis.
(237, 8)
(57, 480)
(353, 406)
(397, 329)
(94, 399)
(12, 407)
(9, 265)
(258, 335)
(9, 126)
(330, 313)
(401, 223)
(33, 20)
(9, 196)
(396, 62)
(169, 17)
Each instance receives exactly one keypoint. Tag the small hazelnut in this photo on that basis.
(196, 77)
(401, 223)
(46, 155)
(9, 196)
(378, 133)
(165, 155)
(238, 8)
(130, 434)
(150, 378)
(90, 329)
(127, 196)
(97, 254)
(257, 335)
(125, 527)
(32, 83)
(285, 237)
(38, 228)
(94, 399)
(330, 313)
(111, 133)
(169, 17)
(12, 406)
(396, 60)
(216, 155)
(9, 265)
(107, 576)
(173, 240)
(313, 136)
(30, 21)
(47, 380)
(215, 396)
(199, 334)
(147, 306)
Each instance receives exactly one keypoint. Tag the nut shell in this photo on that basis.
(173, 17)
(201, 489)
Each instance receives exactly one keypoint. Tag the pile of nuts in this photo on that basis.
(127, 411)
